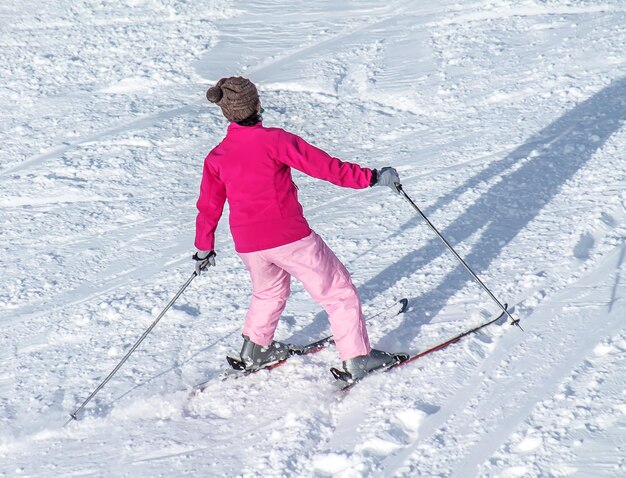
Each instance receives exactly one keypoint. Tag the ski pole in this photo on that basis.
(119, 365)
(459, 258)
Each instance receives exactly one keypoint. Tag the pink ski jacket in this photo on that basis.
(251, 168)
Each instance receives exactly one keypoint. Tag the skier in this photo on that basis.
(251, 168)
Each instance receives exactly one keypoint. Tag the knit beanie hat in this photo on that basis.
(237, 97)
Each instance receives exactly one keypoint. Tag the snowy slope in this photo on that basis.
(506, 120)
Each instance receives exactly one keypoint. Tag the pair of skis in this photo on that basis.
(343, 379)
(238, 369)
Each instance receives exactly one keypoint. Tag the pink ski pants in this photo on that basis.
(312, 262)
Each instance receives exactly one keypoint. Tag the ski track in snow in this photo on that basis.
(506, 121)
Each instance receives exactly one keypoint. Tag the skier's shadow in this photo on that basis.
(531, 176)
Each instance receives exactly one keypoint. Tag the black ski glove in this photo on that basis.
(387, 177)
(203, 260)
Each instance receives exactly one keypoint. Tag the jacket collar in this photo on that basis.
(235, 128)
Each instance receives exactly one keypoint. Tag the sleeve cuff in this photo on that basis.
(374, 178)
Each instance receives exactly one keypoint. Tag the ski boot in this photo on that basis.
(256, 356)
(356, 368)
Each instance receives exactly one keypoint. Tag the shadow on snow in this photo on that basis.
(530, 177)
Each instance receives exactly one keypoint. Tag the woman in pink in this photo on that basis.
(251, 168)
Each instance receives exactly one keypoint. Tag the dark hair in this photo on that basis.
(251, 120)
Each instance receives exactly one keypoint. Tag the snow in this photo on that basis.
(506, 120)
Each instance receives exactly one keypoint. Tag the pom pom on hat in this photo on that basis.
(214, 94)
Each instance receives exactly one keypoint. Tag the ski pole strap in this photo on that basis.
(514, 321)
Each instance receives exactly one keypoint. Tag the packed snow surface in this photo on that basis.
(506, 121)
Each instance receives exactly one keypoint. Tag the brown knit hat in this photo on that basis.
(237, 97)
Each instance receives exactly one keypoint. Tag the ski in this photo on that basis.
(345, 382)
(238, 369)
